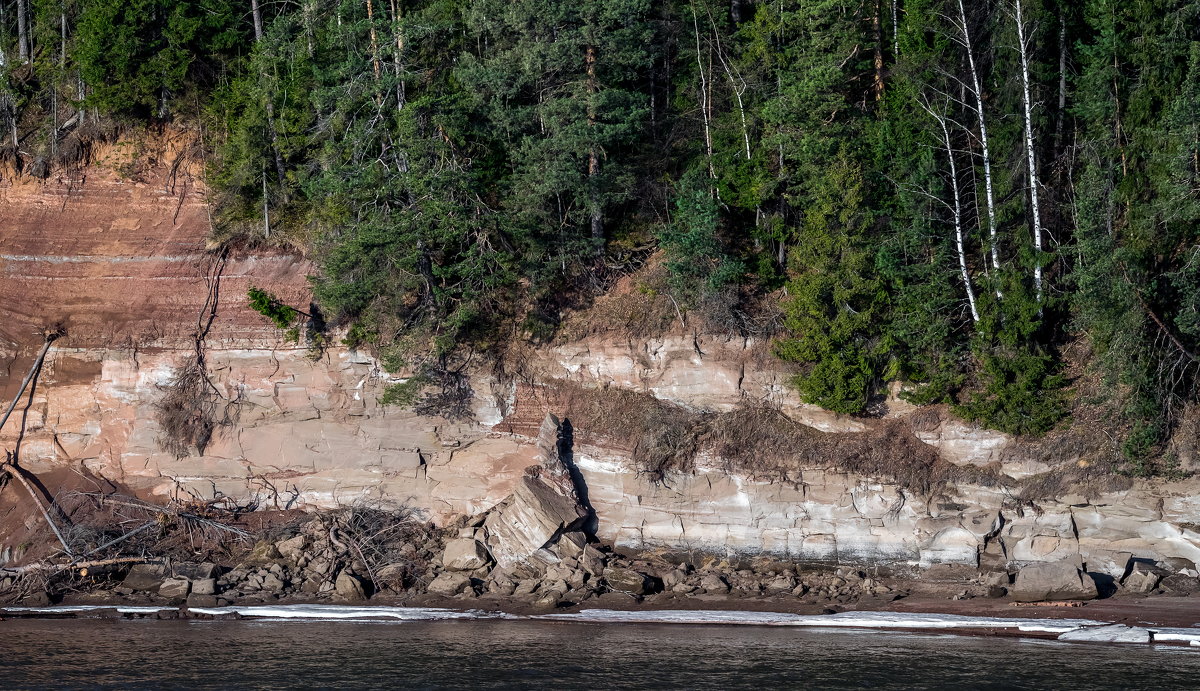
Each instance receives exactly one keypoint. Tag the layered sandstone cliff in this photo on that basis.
(123, 264)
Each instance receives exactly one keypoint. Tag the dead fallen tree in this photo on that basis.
(10, 457)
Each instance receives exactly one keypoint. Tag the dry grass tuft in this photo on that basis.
(757, 440)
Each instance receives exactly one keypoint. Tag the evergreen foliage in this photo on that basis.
(953, 199)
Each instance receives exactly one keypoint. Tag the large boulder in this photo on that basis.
(449, 583)
(292, 548)
(464, 554)
(1143, 578)
(628, 581)
(544, 506)
(348, 588)
(175, 588)
(144, 577)
(1062, 580)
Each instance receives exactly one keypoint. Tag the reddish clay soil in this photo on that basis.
(122, 261)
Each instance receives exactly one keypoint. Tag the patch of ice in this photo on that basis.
(868, 620)
(71, 609)
(1179, 635)
(349, 612)
(1112, 633)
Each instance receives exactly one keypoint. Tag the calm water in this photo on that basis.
(523, 654)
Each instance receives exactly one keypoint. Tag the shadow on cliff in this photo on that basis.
(566, 453)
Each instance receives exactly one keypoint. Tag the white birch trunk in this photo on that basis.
(895, 30)
(956, 209)
(708, 145)
(1031, 159)
(977, 92)
(23, 30)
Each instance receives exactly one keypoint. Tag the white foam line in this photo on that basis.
(868, 620)
(1181, 635)
(341, 612)
(68, 609)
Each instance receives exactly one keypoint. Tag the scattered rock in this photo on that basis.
(713, 583)
(292, 548)
(1180, 585)
(204, 586)
(1053, 581)
(263, 552)
(449, 583)
(174, 588)
(1143, 578)
(464, 554)
(627, 581)
(143, 577)
(349, 588)
(198, 600)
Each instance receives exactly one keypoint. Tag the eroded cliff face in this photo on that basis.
(124, 265)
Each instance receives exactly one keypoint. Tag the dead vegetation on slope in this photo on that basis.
(757, 440)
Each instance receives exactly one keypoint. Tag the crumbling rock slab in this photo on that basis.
(544, 505)
(1062, 580)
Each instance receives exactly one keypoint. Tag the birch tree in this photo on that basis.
(962, 36)
(1035, 210)
(955, 206)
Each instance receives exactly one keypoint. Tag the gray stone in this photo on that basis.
(782, 583)
(272, 583)
(526, 587)
(1143, 578)
(200, 600)
(292, 548)
(193, 572)
(1061, 580)
(673, 578)
(1180, 585)
(143, 577)
(175, 588)
(712, 583)
(204, 586)
(349, 588)
(549, 599)
(1113, 633)
(449, 583)
(464, 554)
(626, 581)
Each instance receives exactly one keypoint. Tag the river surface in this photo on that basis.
(497, 654)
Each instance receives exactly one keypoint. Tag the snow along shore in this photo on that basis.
(1068, 629)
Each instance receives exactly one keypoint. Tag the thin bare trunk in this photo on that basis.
(877, 29)
(266, 208)
(1060, 125)
(977, 92)
(958, 228)
(270, 105)
(19, 474)
(708, 144)
(597, 220)
(401, 96)
(1030, 155)
(374, 48)
(23, 47)
(895, 30)
(736, 84)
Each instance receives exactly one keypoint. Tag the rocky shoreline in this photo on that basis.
(535, 552)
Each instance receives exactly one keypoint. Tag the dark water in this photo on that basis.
(524, 654)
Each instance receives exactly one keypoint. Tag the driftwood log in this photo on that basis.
(10, 462)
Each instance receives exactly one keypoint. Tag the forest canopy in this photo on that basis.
(988, 200)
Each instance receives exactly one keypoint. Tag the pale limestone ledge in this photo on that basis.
(311, 434)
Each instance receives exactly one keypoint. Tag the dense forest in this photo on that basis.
(992, 200)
